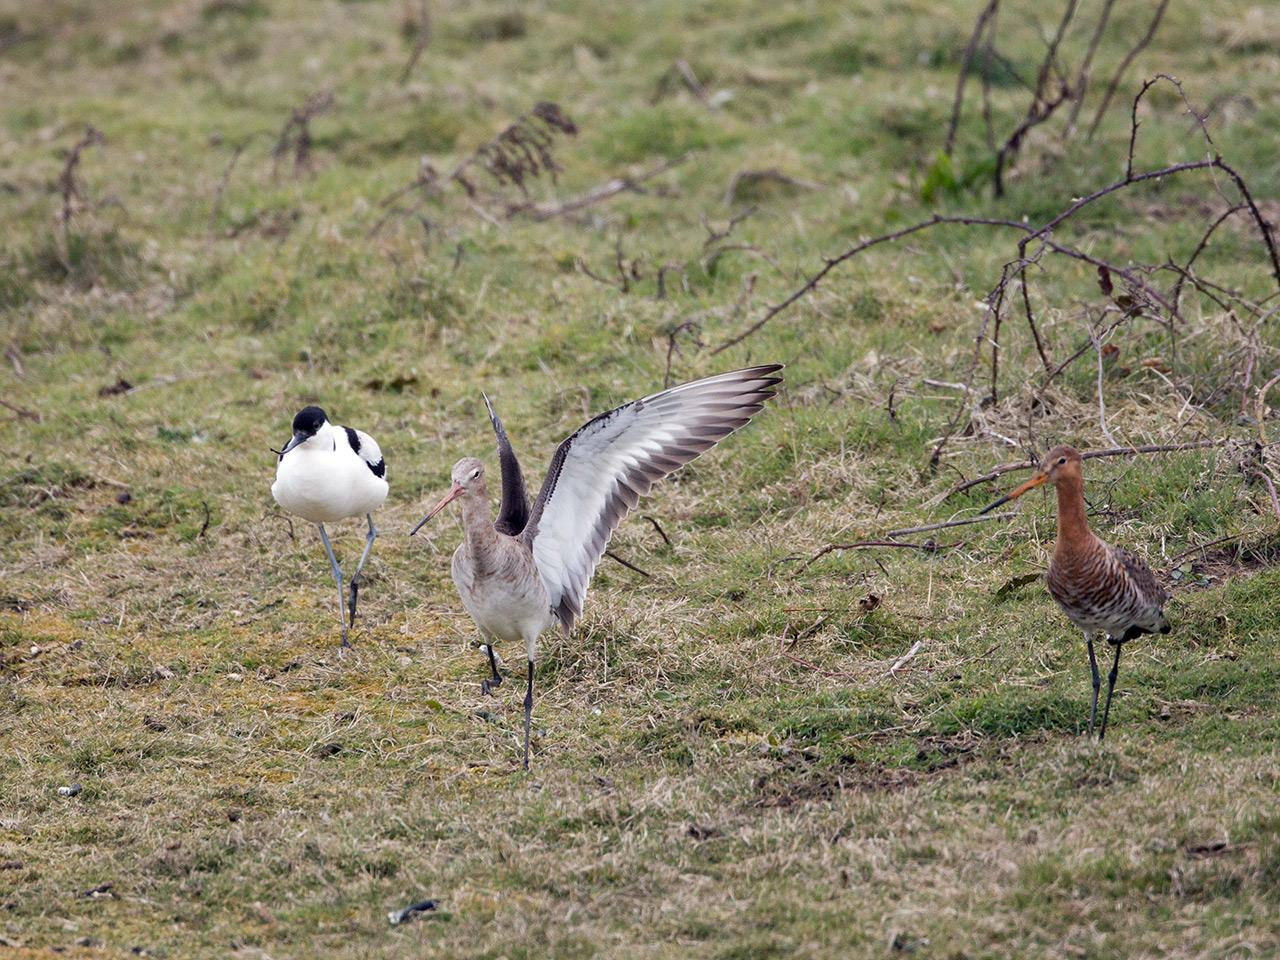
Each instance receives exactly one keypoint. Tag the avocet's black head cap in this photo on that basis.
(305, 425)
(308, 421)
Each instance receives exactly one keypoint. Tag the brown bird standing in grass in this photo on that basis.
(1100, 587)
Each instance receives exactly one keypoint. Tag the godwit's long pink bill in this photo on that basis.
(531, 567)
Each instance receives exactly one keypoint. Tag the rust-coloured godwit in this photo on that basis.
(1102, 588)
(531, 567)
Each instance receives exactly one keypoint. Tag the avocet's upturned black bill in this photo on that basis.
(327, 473)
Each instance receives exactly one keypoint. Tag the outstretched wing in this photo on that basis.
(599, 474)
(513, 513)
(367, 449)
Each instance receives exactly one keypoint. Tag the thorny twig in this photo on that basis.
(929, 546)
(772, 174)
(422, 37)
(689, 326)
(681, 72)
(1039, 112)
(979, 28)
(15, 360)
(661, 292)
(715, 235)
(71, 190)
(1102, 403)
(627, 270)
(656, 526)
(1083, 76)
(1271, 489)
(1176, 294)
(1260, 408)
(225, 180)
(549, 210)
(628, 564)
(22, 412)
(1041, 107)
(295, 135)
(1015, 466)
(830, 263)
(1143, 297)
(521, 153)
(1031, 320)
(890, 538)
(905, 658)
(1114, 85)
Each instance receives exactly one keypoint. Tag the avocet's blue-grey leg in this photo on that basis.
(337, 577)
(355, 577)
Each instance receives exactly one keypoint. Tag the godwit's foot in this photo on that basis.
(492, 683)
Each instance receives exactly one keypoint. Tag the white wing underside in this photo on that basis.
(599, 474)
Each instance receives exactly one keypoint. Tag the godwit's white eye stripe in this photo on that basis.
(598, 475)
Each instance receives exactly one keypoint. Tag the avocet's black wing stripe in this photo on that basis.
(367, 449)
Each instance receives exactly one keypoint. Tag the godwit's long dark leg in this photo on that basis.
(1097, 681)
(490, 684)
(355, 577)
(1111, 688)
(528, 714)
(337, 578)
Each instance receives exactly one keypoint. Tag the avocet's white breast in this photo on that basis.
(324, 479)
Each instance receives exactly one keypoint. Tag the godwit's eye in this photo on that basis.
(1061, 461)
(475, 473)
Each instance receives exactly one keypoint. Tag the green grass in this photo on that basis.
(725, 765)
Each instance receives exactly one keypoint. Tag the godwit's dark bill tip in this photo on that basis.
(991, 506)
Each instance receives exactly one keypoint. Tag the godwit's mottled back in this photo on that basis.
(1102, 588)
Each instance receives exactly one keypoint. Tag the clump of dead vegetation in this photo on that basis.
(1128, 291)
(496, 178)
(1060, 85)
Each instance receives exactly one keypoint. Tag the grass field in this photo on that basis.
(726, 764)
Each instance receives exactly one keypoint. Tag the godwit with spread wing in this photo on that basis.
(531, 567)
(325, 474)
(1103, 589)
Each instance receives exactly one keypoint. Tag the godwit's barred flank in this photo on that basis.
(1102, 588)
(327, 473)
(531, 567)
